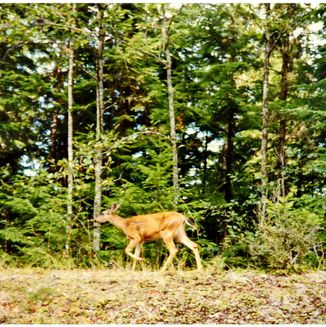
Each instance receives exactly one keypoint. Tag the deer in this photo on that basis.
(168, 226)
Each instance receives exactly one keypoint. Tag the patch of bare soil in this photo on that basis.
(123, 297)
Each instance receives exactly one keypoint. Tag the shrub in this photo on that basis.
(287, 235)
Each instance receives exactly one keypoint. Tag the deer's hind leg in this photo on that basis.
(136, 253)
(168, 240)
(184, 239)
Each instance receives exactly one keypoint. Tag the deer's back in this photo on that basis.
(149, 227)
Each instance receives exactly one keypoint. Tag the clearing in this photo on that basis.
(34, 296)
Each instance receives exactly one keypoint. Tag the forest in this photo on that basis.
(216, 111)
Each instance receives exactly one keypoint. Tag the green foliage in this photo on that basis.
(287, 236)
(144, 183)
(33, 225)
(217, 69)
(236, 252)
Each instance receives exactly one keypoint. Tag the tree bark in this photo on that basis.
(283, 122)
(54, 133)
(175, 174)
(55, 151)
(228, 152)
(70, 145)
(265, 122)
(99, 128)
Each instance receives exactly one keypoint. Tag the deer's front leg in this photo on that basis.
(132, 244)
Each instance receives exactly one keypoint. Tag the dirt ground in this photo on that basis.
(34, 296)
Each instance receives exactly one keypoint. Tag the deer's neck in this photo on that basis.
(118, 222)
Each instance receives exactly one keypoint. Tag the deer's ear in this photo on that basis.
(115, 207)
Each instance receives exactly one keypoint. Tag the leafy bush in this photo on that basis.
(287, 236)
(236, 250)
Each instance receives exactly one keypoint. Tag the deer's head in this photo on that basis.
(107, 214)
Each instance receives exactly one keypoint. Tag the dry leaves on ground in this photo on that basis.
(122, 297)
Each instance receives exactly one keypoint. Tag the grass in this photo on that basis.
(36, 296)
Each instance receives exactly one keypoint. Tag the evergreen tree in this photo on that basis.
(84, 110)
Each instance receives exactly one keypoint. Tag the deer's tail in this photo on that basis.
(189, 224)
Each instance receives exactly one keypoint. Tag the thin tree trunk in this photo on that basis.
(54, 127)
(283, 123)
(175, 174)
(54, 133)
(265, 122)
(99, 129)
(228, 148)
(70, 145)
(204, 179)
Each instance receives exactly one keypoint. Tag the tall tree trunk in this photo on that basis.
(70, 145)
(204, 160)
(265, 122)
(282, 129)
(99, 128)
(228, 152)
(175, 175)
(54, 154)
(54, 133)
